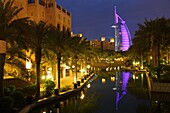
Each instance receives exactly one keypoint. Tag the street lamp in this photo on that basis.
(88, 69)
(28, 67)
(75, 77)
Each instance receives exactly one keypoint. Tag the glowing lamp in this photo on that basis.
(88, 86)
(103, 39)
(82, 95)
(28, 64)
(112, 40)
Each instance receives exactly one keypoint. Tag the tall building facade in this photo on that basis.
(50, 12)
(46, 10)
(122, 35)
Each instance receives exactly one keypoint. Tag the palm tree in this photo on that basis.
(8, 23)
(152, 36)
(58, 42)
(141, 45)
(36, 41)
(80, 47)
(15, 57)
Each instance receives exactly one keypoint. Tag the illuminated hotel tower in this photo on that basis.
(122, 35)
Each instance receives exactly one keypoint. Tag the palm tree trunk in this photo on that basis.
(76, 58)
(158, 71)
(58, 66)
(141, 62)
(38, 60)
(2, 63)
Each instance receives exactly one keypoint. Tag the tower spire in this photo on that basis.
(116, 16)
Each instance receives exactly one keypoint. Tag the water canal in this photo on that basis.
(110, 92)
(113, 94)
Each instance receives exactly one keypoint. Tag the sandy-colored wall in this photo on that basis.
(51, 15)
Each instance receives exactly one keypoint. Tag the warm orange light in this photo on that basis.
(88, 86)
(103, 80)
(88, 66)
(112, 40)
(80, 35)
(28, 64)
(103, 39)
(2, 46)
(112, 79)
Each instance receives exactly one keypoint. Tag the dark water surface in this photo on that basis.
(120, 92)
(113, 96)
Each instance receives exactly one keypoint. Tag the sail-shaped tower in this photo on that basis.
(122, 35)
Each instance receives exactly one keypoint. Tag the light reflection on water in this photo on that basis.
(121, 86)
(114, 94)
(122, 92)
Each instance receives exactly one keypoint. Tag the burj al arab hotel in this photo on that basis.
(122, 36)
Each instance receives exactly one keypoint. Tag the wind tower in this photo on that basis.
(122, 36)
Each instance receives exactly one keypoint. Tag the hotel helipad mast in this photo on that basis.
(122, 35)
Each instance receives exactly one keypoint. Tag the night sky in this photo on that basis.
(94, 18)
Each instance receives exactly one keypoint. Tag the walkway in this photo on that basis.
(65, 82)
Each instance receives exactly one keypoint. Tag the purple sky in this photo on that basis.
(94, 18)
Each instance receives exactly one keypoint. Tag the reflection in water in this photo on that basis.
(112, 79)
(103, 80)
(82, 95)
(121, 85)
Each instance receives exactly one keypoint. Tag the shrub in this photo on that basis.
(8, 90)
(19, 100)
(29, 90)
(12, 88)
(65, 88)
(49, 87)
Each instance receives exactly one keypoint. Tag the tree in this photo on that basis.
(58, 42)
(152, 36)
(8, 28)
(80, 47)
(141, 45)
(36, 41)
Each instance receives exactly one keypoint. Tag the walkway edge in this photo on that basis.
(63, 96)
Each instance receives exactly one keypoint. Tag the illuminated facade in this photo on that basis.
(103, 44)
(52, 13)
(122, 35)
(45, 10)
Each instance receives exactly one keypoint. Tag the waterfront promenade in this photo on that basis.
(65, 82)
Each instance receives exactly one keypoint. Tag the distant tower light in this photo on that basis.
(112, 40)
(103, 39)
(80, 35)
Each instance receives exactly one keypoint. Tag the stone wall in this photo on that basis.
(160, 87)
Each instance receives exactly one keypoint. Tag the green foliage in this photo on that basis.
(68, 87)
(165, 73)
(8, 90)
(19, 100)
(29, 90)
(49, 87)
